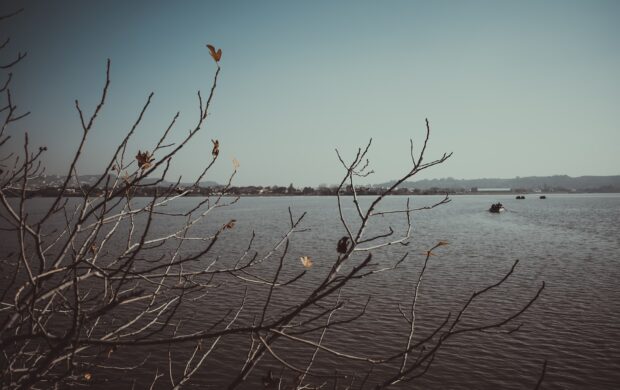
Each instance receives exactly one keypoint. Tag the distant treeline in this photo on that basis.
(46, 185)
(290, 190)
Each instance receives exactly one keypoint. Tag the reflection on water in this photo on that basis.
(572, 242)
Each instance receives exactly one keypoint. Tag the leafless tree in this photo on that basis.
(91, 277)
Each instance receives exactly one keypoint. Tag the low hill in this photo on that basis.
(557, 182)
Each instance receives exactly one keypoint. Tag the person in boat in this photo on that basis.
(496, 207)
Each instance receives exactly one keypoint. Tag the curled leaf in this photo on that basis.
(217, 55)
(93, 248)
(442, 243)
(88, 376)
(306, 261)
(216, 148)
(343, 245)
(230, 224)
(145, 159)
(235, 163)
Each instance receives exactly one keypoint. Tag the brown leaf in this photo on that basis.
(88, 376)
(144, 159)
(230, 224)
(93, 248)
(217, 55)
(235, 163)
(343, 245)
(216, 148)
(442, 243)
(306, 261)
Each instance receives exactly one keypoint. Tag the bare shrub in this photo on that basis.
(92, 280)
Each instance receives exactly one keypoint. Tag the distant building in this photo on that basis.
(494, 189)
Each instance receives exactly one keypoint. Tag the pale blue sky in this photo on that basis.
(513, 88)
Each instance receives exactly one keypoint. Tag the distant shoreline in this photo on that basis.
(198, 195)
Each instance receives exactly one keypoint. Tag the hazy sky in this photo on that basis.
(513, 88)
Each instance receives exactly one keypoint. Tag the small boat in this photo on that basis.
(543, 197)
(520, 197)
(497, 208)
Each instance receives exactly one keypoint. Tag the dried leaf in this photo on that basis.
(429, 253)
(88, 376)
(235, 163)
(111, 350)
(93, 248)
(216, 148)
(144, 159)
(442, 243)
(230, 224)
(217, 55)
(306, 261)
(343, 245)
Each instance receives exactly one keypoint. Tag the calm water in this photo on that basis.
(572, 242)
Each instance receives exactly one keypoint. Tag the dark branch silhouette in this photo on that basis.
(98, 274)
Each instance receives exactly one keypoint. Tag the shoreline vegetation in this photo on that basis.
(52, 186)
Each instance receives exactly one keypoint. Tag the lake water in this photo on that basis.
(571, 242)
